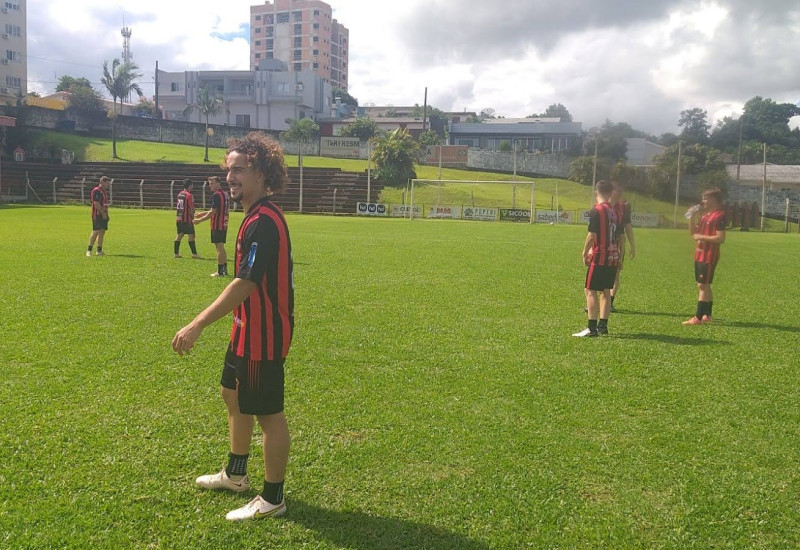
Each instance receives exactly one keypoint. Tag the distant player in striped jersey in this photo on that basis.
(624, 233)
(261, 297)
(220, 207)
(185, 218)
(99, 198)
(709, 234)
(601, 256)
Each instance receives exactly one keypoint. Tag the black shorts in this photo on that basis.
(259, 384)
(218, 236)
(99, 224)
(704, 273)
(600, 277)
(187, 228)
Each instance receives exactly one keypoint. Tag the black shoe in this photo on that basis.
(586, 333)
(613, 309)
(602, 330)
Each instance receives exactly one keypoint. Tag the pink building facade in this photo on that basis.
(302, 34)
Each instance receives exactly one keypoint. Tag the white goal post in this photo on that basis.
(437, 198)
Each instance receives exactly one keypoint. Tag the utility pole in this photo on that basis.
(677, 187)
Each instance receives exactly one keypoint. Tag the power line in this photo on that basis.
(61, 61)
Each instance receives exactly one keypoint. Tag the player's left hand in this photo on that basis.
(184, 339)
(633, 252)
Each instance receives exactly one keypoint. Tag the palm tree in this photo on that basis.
(300, 131)
(207, 105)
(119, 82)
(395, 154)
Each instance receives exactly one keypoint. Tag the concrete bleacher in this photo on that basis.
(325, 190)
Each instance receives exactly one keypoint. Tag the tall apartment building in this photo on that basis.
(302, 34)
(13, 50)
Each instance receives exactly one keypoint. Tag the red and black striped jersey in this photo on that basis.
(264, 322)
(98, 196)
(623, 211)
(603, 223)
(220, 204)
(185, 206)
(710, 224)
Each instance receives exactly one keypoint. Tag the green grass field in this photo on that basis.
(435, 396)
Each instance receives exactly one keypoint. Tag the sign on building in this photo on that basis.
(339, 147)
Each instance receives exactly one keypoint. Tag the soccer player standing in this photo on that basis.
(601, 256)
(220, 207)
(622, 209)
(261, 297)
(185, 218)
(99, 199)
(709, 234)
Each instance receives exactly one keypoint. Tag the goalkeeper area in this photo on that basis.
(480, 199)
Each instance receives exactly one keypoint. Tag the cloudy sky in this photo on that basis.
(635, 61)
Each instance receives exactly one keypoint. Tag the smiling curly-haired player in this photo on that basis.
(261, 297)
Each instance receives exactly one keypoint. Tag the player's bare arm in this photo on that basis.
(199, 218)
(587, 248)
(629, 235)
(233, 295)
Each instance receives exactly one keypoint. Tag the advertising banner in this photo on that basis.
(339, 147)
(405, 211)
(452, 155)
(547, 216)
(371, 209)
(584, 217)
(515, 215)
(482, 214)
(645, 219)
(445, 212)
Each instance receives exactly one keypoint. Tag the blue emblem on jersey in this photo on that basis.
(251, 257)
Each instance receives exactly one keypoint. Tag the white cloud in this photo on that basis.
(627, 60)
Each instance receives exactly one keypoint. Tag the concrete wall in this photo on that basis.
(554, 165)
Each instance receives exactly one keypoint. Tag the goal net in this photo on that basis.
(472, 199)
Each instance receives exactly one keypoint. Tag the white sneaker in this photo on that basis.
(88, 253)
(100, 253)
(586, 333)
(256, 509)
(217, 275)
(222, 481)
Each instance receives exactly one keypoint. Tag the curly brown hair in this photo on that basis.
(265, 155)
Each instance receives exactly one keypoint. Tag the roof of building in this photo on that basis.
(776, 173)
(519, 128)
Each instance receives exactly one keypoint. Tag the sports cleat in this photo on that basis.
(256, 509)
(222, 481)
(100, 253)
(707, 319)
(88, 253)
(196, 256)
(602, 330)
(178, 256)
(219, 275)
(586, 333)
(613, 309)
(693, 321)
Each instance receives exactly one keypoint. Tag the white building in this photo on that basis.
(261, 99)
(14, 51)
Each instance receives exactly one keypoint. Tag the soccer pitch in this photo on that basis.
(435, 396)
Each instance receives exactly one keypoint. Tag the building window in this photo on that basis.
(12, 6)
(297, 16)
(316, 65)
(282, 87)
(13, 81)
(316, 12)
(298, 42)
(269, 31)
(316, 39)
(298, 28)
(315, 52)
(13, 30)
(282, 17)
(243, 121)
(298, 66)
(269, 43)
(258, 18)
(268, 55)
(11, 55)
(257, 30)
(175, 87)
(258, 56)
(258, 42)
(316, 25)
(298, 54)
(269, 19)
